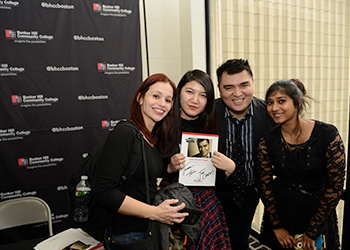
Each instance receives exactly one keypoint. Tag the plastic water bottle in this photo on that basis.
(82, 191)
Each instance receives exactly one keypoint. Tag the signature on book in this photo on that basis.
(198, 175)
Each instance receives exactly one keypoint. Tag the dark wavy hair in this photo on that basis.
(233, 66)
(159, 135)
(209, 116)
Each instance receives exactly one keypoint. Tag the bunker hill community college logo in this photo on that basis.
(22, 162)
(114, 68)
(23, 36)
(101, 66)
(109, 124)
(97, 7)
(10, 34)
(105, 124)
(27, 101)
(110, 10)
(39, 161)
(16, 99)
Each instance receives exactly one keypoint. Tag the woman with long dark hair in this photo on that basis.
(195, 111)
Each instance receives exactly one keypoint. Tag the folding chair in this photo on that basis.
(24, 211)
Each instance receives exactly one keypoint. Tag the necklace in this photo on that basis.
(298, 139)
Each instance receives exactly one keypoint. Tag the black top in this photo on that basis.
(314, 169)
(114, 159)
(192, 126)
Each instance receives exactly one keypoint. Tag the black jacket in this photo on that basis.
(183, 194)
(262, 122)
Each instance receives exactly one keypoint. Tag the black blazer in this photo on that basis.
(262, 123)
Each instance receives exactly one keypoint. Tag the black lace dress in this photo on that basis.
(301, 184)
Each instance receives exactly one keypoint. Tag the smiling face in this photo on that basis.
(156, 103)
(203, 148)
(237, 92)
(281, 107)
(193, 100)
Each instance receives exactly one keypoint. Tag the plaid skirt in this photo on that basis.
(214, 235)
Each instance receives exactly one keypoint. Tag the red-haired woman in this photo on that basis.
(148, 111)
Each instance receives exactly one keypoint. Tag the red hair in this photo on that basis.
(159, 135)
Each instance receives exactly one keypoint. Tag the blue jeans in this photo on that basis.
(126, 238)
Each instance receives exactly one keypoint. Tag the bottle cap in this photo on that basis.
(84, 177)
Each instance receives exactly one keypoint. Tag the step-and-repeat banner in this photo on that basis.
(68, 71)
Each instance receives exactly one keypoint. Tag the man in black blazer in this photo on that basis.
(238, 107)
(203, 148)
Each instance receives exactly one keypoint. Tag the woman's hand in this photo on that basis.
(176, 163)
(308, 244)
(168, 214)
(222, 162)
(164, 212)
(284, 238)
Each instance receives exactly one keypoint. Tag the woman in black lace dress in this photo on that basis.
(301, 166)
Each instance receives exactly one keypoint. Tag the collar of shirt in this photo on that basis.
(246, 116)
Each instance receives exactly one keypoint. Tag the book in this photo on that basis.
(198, 149)
(70, 239)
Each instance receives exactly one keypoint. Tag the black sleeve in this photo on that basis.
(112, 163)
(335, 170)
(221, 179)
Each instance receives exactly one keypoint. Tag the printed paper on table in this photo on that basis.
(198, 149)
(70, 239)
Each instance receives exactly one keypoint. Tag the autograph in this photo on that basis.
(203, 175)
(200, 175)
(189, 170)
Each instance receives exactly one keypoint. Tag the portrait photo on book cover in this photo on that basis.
(201, 147)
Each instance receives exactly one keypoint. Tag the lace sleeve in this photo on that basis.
(336, 172)
(265, 178)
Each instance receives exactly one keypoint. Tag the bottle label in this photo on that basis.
(299, 245)
(80, 193)
(319, 243)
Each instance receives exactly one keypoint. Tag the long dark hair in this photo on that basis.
(209, 116)
(159, 135)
